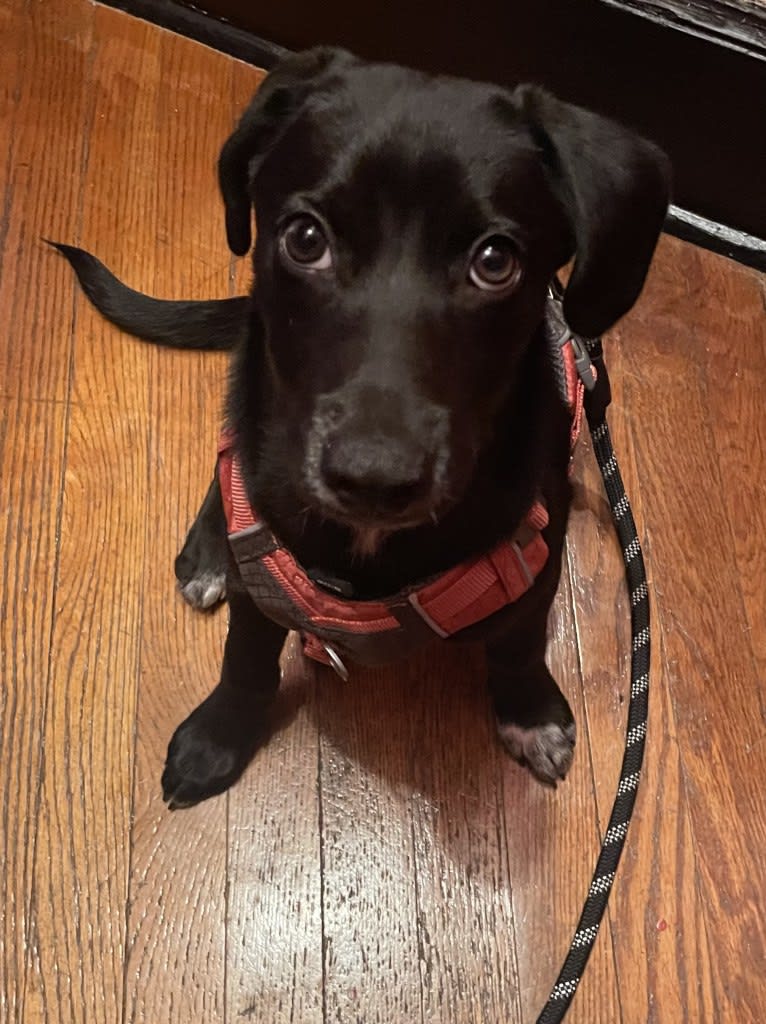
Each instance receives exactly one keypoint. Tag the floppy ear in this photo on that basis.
(614, 189)
(271, 110)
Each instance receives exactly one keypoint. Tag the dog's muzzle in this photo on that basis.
(376, 458)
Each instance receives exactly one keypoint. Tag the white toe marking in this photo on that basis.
(547, 749)
(205, 590)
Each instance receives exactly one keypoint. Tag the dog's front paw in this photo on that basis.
(208, 752)
(203, 561)
(197, 767)
(547, 750)
(204, 590)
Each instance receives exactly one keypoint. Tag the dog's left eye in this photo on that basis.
(304, 242)
(495, 264)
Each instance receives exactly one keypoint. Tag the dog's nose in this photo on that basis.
(379, 475)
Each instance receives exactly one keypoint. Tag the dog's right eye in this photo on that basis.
(304, 243)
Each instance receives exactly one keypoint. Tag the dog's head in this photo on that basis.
(408, 227)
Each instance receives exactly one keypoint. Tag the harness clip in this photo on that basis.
(583, 363)
(598, 398)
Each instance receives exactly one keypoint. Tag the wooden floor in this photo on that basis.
(381, 861)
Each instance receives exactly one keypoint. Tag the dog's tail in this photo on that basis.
(211, 324)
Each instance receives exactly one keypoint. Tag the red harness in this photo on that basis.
(370, 632)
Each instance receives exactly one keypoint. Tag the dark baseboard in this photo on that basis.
(739, 24)
(227, 38)
(204, 28)
(708, 234)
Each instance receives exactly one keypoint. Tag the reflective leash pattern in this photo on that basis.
(597, 399)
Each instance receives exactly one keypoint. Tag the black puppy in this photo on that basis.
(393, 405)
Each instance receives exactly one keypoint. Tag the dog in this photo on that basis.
(393, 411)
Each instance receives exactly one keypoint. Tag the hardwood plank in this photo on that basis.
(82, 864)
(31, 459)
(27, 551)
(656, 909)
(53, 42)
(718, 737)
(735, 383)
(177, 887)
(713, 683)
(82, 855)
(553, 842)
(274, 909)
(12, 16)
(121, 201)
(466, 936)
(369, 888)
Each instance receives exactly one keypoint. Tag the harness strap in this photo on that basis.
(456, 599)
(469, 593)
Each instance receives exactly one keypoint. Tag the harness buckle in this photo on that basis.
(583, 362)
(597, 399)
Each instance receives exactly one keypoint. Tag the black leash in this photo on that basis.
(597, 398)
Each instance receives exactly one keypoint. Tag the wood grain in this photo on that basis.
(82, 861)
(46, 150)
(461, 852)
(712, 671)
(11, 32)
(381, 860)
(660, 941)
(553, 840)
(734, 357)
(177, 861)
(31, 452)
(274, 968)
(371, 950)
